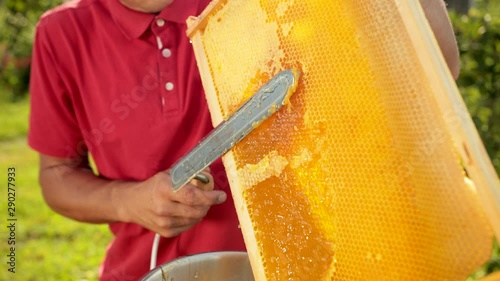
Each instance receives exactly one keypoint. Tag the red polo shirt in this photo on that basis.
(125, 86)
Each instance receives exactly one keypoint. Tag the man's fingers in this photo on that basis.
(193, 196)
(175, 230)
(175, 222)
(176, 209)
(174, 212)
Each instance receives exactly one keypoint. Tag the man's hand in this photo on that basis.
(157, 207)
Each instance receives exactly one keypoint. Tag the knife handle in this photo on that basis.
(202, 177)
(202, 181)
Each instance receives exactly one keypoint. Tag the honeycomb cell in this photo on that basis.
(357, 178)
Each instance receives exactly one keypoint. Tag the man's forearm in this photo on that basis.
(80, 195)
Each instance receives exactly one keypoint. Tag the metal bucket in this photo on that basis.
(220, 266)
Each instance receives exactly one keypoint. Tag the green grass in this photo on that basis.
(48, 246)
(13, 118)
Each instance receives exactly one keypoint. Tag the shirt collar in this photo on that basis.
(133, 23)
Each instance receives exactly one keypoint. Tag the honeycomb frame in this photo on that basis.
(459, 126)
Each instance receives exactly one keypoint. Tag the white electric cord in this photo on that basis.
(154, 251)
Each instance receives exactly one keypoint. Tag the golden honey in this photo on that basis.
(356, 178)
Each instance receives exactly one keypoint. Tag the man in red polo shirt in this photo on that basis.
(117, 79)
(120, 81)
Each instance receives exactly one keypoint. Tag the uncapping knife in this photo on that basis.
(269, 99)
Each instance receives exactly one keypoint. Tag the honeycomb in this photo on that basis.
(356, 178)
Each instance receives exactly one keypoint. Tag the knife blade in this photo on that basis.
(266, 101)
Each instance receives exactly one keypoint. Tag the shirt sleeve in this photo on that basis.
(53, 129)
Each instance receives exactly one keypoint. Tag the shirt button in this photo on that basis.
(166, 53)
(169, 86)
(160, 22)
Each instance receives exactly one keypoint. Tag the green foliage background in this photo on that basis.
(478, 36)
(18, 19)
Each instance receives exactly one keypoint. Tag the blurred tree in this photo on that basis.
(460, 6)
(18, 19)
(478, 36)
